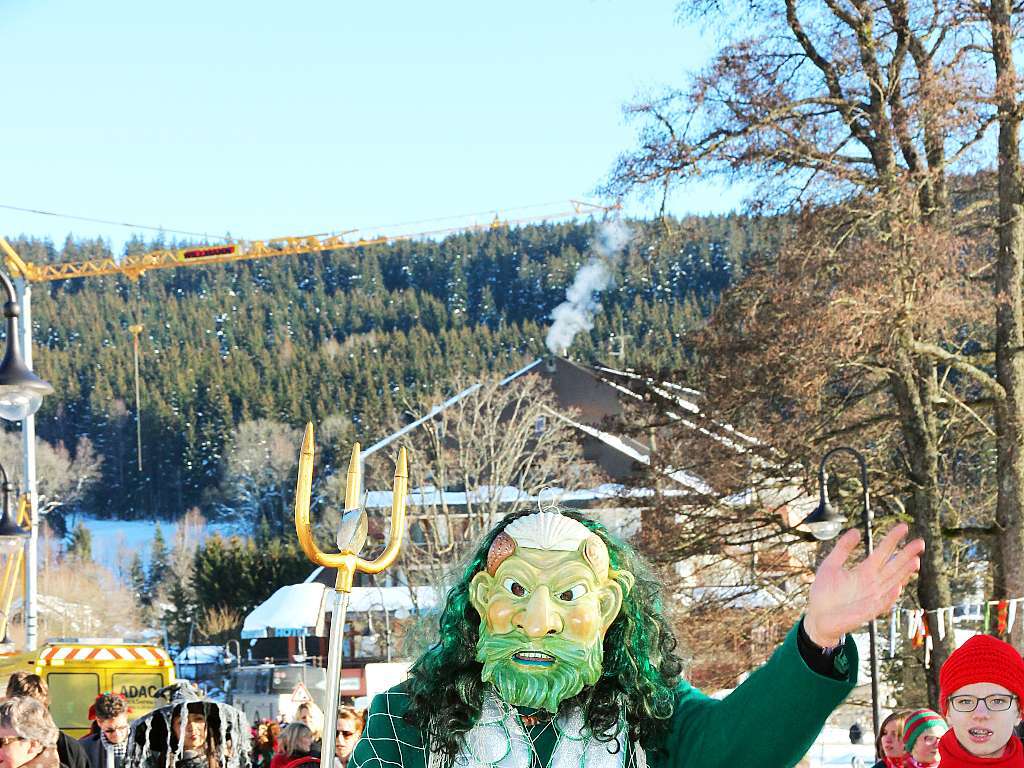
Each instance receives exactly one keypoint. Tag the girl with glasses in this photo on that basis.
(980, 687)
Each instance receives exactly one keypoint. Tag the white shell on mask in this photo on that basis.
(548, 530)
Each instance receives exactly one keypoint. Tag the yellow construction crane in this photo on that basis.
(135, 265)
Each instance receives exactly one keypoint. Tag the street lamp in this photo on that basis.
(21, 394)
(21, 391)
(825, 523)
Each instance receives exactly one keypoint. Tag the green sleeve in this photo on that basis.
(771, 719)
(387, 740)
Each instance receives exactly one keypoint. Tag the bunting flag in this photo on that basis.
(894, 620)
(995, 616)
(921, 631)
(1002, 607)
(927, 651)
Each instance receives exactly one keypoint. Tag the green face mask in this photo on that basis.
(538, 684)
(544, 616)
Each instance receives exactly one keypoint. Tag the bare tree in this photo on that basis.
(63, 478)
(488, 455)
(259, 475)
(858, 117)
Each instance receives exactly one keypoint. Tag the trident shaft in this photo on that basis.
(351, 537)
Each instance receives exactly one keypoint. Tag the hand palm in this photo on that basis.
(842, 599)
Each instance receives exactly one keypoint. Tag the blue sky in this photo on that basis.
(266, 119)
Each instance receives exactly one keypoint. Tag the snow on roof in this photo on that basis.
(429, 495)
(200, 654)
(737, 596)
(297, 609)
(679, 475)
(393, 599)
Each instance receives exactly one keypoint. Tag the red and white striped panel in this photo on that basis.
(142, 653)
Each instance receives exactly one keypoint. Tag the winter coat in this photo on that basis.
(71, 752)
(294, 761)
(785, 703)
(92, 746)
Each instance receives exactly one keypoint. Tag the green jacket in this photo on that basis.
(769, 721)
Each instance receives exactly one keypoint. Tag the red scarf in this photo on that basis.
(892, 762)
(953, 755)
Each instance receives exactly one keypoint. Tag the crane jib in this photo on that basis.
(202, 253)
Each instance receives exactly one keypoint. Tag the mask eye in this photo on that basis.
(573, 593)
(514, 587)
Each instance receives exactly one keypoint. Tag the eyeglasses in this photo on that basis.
(996, 702)
(6, 741)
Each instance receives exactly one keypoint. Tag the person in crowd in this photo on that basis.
(69, 751)
(27, 732)
(107, 745)
(350, 728)
(889, 749)
(199, 747)
(265, 736)
(555, 651)
(294, 747)
(310, 715)
(922, 730)
(190, 731)
(980, 687)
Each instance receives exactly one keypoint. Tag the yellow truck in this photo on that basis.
(78, 670)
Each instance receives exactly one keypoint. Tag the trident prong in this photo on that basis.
(348, 562)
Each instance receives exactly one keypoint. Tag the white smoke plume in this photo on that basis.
(577, 312)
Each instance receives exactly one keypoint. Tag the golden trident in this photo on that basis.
(351, 537)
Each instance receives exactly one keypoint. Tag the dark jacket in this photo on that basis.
(71, 752)
(92, 746)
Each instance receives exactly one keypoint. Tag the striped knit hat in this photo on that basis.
(919, 721)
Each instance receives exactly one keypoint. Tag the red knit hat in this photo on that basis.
(982, 659)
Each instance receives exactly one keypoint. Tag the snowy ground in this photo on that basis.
(115, 542)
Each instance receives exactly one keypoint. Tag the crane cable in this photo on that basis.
(136, 329)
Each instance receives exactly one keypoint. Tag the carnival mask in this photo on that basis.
(546, 600)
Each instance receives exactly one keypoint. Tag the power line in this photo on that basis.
(203, 235)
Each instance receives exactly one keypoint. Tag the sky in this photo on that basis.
(257, 119)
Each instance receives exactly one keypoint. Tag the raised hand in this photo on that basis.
(842, 599)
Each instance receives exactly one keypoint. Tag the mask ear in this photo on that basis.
(479, 590)
(610, 600)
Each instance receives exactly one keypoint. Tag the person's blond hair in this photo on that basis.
(358, 716)
(29, 719)
(292, 737)
(317, 715)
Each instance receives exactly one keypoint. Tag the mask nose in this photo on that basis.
(539, 617)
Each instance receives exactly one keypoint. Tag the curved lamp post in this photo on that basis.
(21, 391)
(21, 394)
(825, 523)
